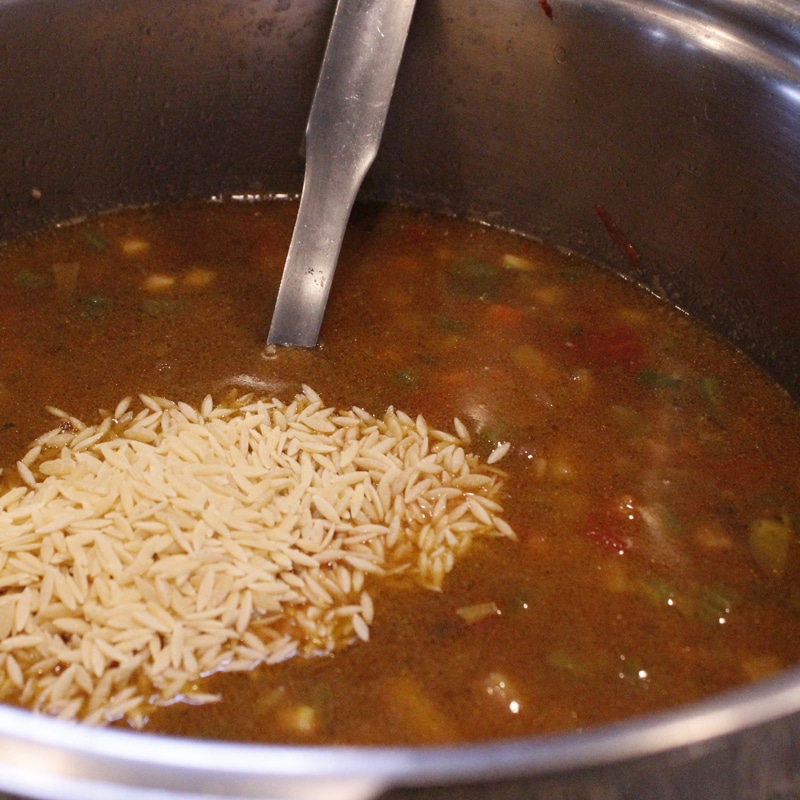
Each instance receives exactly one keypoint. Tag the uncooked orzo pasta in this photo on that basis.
(161, 545)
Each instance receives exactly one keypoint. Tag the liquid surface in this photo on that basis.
(652, 470)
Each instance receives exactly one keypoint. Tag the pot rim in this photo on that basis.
(32, 741)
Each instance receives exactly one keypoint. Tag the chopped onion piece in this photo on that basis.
(475, 613)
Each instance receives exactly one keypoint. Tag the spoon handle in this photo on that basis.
(344, 129)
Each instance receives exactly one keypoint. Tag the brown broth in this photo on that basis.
(652, 474)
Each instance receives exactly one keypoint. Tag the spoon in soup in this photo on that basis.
(344, 129)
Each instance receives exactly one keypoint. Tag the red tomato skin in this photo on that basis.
(620, 345)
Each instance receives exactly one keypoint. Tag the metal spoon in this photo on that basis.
(344, 129)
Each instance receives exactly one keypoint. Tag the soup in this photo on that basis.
(648, 483)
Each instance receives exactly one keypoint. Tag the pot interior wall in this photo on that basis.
(652, 136)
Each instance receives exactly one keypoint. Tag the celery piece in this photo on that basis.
(161, 306)
(472, 278)
(521, 600)
(633, 672)
(28, 279)
(405, 378)
(715, 604)
(565, 662)
(448, 324)
(94, 306)
(495, 434)
(653, 379)
(712, 394)
(657, 591)
(96, 241)
(769, 544)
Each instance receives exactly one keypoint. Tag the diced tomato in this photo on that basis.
(619, 345)
(608, 539)
(499, 315)
(615, 526)
(414, 234)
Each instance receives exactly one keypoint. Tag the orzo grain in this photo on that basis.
(154, 547)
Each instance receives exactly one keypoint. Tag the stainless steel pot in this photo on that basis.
(659, 136)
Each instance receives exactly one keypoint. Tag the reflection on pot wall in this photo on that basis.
(665, 120)
(140, 101)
